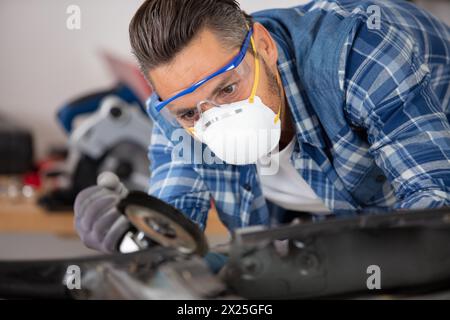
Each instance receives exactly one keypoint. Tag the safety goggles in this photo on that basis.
(232, 83)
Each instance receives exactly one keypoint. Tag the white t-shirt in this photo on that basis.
(286, 187)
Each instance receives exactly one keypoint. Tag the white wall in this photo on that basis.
(43, 64)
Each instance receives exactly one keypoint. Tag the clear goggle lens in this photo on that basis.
(232, 86)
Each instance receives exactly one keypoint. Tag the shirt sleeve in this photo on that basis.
(176, 182)
(388, 93)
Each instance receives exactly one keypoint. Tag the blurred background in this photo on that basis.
(43, 63)
(53, 80)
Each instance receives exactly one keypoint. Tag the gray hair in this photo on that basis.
(162, 28)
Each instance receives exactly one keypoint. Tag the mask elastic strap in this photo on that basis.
(277, 117)
(251, 99)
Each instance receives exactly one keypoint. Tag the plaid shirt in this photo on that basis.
(396, 85)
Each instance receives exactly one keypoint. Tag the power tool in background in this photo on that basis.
(113, 136)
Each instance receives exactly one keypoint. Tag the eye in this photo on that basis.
(189, 115)
(228, 90)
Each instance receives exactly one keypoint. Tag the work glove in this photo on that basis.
(97, 221)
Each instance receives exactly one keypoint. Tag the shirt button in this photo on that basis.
(247, 187)
(380, 178)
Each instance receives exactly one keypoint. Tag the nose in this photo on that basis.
(204, 106)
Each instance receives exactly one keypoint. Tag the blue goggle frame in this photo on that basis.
(230, 66)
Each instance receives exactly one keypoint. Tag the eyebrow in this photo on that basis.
(221, 85)
(214, 92)
(183, 110)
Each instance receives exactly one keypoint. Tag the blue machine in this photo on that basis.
(114, 136)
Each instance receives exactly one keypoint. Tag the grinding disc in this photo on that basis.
(163, 223)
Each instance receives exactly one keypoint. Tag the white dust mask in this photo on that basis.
(241, 132)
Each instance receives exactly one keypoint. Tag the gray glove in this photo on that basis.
(97, 221)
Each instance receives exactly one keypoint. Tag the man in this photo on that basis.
(349, 99)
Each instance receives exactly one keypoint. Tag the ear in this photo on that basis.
(265, 44)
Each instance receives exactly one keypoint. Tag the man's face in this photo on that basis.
(205, 55)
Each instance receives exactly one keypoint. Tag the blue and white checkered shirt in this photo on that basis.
(396, 95)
